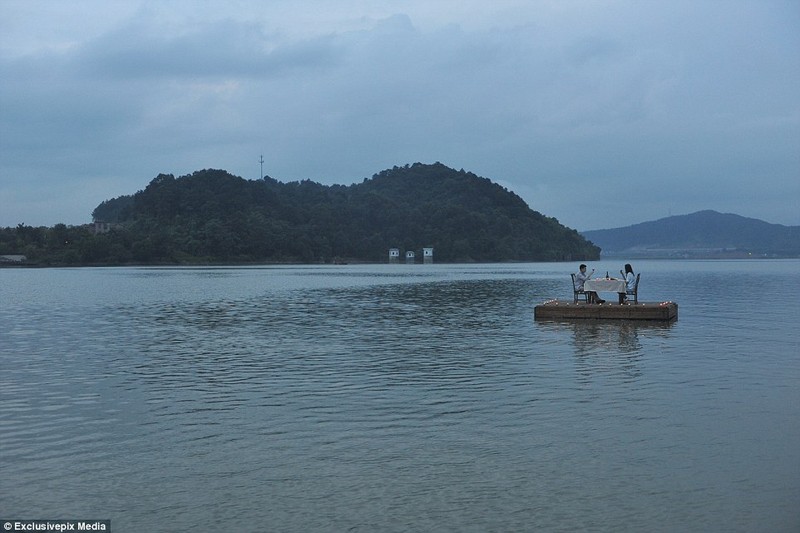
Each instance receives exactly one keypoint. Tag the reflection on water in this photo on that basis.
(392, 399)
(610, 346)
(590, 336)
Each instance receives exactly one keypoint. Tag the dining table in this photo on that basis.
(604, 285)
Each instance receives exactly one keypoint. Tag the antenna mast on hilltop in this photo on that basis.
(262, 166)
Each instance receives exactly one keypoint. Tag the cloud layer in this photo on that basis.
(599, 114)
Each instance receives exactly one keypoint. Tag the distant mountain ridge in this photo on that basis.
(702, 234)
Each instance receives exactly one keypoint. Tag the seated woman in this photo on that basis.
(630, 282)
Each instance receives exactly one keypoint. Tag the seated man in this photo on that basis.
(580, 279)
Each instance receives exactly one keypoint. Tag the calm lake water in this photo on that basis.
(399, 398)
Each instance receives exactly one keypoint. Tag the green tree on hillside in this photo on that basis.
(213, 216)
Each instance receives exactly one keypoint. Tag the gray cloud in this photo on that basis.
(222, 49)
(601, 115)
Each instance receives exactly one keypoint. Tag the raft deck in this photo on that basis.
(563, 309)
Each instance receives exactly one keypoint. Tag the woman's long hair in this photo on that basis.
(628, 268)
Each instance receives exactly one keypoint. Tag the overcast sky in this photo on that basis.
(600, 114)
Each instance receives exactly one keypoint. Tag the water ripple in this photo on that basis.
(375, 399)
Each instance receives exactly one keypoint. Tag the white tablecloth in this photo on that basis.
(604, 285)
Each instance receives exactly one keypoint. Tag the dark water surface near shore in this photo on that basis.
(398, 398)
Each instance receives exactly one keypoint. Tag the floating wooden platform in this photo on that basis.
(563, 309)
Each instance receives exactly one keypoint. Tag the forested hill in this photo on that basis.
(211, 215)
(701, 234)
